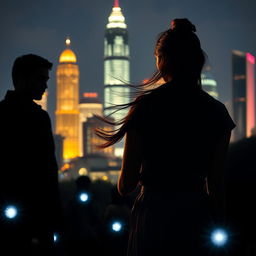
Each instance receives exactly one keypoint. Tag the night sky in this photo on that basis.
(41, 26)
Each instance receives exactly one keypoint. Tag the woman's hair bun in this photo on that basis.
(182, 25)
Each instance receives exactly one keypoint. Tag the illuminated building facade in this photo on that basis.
(97, 167)
(209, 84)
(43, 101)
(116, 66)
(91, 140)
(88, 106)
(67, 107)
(243, 93)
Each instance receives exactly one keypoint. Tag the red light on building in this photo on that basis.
(90, 95)
(116, 4)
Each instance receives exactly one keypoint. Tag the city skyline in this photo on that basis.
(26, 30)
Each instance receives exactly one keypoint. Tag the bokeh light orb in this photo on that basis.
(11, 212)
(83, 197)
(219, 237)
(55, 237)
(116, 226)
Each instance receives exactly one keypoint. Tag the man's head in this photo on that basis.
(30, 74)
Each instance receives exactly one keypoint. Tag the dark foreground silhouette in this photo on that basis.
(240, 183)
(29, 172)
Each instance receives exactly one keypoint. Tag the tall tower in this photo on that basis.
(243, 93)
(116, 66)
(67, 105)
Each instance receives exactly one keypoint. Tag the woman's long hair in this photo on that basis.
(179, 56)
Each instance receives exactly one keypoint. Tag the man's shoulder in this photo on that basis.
(2, 103)
(5, 106)
(39, 108)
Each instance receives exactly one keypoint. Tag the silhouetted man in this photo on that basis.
(29, 196)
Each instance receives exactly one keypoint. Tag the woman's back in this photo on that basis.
(178, 130)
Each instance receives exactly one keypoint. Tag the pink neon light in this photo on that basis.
(250, 58)
(250, 94)
(116, 3)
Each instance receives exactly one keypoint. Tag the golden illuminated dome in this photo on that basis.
(67, 55)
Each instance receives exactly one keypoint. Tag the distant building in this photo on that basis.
(89, 105)
(43, 101)
(97, 167)
(116, 66)
(67, 108)
(209, 84)
(91, 140)
(243, 93)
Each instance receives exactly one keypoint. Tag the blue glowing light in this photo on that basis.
(117, 226)
(55, 237)
(10, 212)
(83, 197)
(219, 237)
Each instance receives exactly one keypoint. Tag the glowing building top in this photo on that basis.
(116, 18)
(67, 56)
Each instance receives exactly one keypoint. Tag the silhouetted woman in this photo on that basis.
(177, 137)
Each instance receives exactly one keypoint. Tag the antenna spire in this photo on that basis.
(116, 3)
(68, 41)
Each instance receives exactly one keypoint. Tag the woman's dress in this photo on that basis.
(178, 131)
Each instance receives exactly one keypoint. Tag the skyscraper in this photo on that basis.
(91, 140)
(67, 105)
(209, 84)
(89, 105)
(243, 93)
(116, 66)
